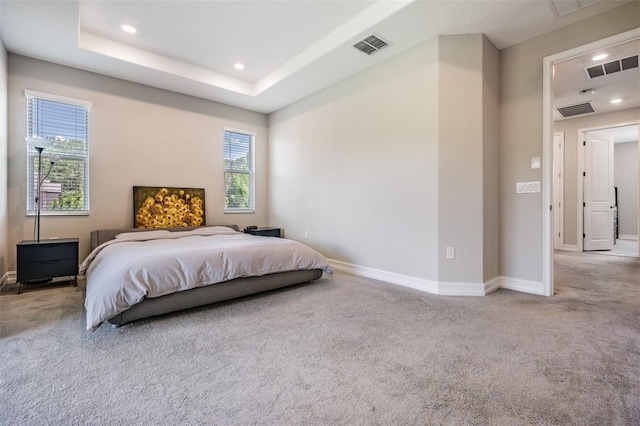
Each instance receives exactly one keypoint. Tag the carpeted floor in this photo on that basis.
(346, 350)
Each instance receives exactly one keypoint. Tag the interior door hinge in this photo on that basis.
(551, 208)
(584, 143)
(584, 204)
(584, 235)
(584, 173)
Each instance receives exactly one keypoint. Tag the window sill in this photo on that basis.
(58, 213)
(239, 211)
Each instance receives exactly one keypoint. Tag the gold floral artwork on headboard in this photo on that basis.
(165, 207)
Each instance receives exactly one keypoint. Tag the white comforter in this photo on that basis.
(121, 272)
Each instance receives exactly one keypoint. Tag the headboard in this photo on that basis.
(101, 236)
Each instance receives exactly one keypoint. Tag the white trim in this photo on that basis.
(627, 237)
(491, 285)
(9, 277)
(58, 98)
(390, 277)
(569, 247)
(580, 192)
(460, 289)
(547, 140)
(558, 199)
(524, 286)
(243, 131)
(433, 287)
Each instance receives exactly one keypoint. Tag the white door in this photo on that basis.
(558, 190)
(598, 192)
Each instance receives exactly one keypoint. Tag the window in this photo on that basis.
(239, 164)
(64, 177)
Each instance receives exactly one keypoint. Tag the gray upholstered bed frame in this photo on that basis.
(202, 295)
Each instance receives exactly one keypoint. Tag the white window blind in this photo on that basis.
(239, 168)
(65, 165)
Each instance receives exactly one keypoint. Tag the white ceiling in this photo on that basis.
(570, 78)
(290, 48)
(621, 134)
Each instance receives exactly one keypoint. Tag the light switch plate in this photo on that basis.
(535, 162)
(527, 187)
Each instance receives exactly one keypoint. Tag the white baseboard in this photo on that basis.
(627, 237)
(460, 289)
(491, 285)
(524, 286)
(433, 287)
(9, 277)
(569, 247)
(391, 277)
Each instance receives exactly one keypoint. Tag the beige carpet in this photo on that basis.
(346, 350)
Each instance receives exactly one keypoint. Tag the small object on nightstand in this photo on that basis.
(263, 232)
(41, 261)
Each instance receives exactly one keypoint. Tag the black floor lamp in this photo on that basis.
(39, 145)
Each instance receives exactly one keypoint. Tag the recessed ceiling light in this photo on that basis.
(598, 57)
(128, 28)
(238, 66)
(615, 101)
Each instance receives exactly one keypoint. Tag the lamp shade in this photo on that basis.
(39, 142)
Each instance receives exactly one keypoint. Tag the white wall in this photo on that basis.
(139, 136)
(356, 165)
(4, 241)
(521, 133)
(572, 143)
(626, 179)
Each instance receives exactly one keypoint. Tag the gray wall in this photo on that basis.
(571, 128)
(626, 179)
(139, 136)
(521, 133)
(467, 158)
(386, 169)
(4, 224)
(356, 165)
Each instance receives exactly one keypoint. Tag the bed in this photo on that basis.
(135, 273)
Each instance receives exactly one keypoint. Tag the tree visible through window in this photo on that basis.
(65, 164)
(239, 171)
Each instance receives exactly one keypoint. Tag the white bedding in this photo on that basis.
(121, 272)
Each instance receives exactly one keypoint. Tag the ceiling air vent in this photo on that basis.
(371, 44)
(578, 109)
(612, 67)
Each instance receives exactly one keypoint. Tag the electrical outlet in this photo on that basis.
(451, 252)
(306, 235)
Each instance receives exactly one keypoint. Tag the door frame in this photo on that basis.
(580, 178)
(558, 199)
(547, 144)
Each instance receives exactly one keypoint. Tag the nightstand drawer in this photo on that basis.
(46, 269)
(48, 251)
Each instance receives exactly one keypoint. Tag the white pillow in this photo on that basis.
(204, 231)
(142, 235)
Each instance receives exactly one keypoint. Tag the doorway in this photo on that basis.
(619, 184)
(548, 135)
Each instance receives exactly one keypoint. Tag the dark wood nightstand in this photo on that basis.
(47, 259)
(264, 232)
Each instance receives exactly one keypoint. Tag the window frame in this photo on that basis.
(32, 155)
(251, 173)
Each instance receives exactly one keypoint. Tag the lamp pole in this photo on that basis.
(40, 149)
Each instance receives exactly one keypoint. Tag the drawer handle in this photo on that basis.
(48, 262)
